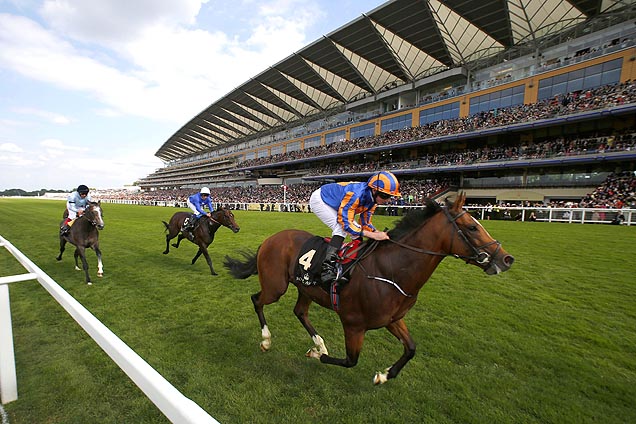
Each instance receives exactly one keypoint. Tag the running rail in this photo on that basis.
(174, 405)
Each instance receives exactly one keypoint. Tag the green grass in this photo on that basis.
(553, 340)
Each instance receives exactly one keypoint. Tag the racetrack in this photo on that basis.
(551, 340)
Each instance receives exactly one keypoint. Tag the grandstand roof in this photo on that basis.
(397, 43)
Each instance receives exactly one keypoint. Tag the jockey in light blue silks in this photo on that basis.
(76, 202)
(338, 204)
(197, 202)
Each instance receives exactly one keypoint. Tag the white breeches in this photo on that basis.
(326, 214)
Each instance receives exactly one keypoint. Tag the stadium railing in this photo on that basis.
(174, 405)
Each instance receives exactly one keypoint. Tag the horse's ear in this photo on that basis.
(459, 202)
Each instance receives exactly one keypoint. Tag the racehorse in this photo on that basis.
(203, 233)
(84, 233)
(383, 282)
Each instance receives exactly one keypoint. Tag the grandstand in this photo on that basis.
(509, 105)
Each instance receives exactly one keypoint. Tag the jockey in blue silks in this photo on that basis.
(76, 202)
(197, 202)
(337, 205)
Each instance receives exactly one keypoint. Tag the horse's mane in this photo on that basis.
(414, 219)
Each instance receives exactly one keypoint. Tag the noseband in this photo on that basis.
(92, 214)
(480, 256)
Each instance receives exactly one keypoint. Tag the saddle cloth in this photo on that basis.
(312, 255)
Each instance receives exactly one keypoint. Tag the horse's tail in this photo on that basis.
(166, 224)
(242, 268)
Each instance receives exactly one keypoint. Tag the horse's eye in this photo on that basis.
(473, 228)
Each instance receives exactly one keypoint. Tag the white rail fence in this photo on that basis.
(174, 405)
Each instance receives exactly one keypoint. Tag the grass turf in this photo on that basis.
(551, 340)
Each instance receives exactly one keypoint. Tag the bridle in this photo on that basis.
(90, 211)
(479, 254)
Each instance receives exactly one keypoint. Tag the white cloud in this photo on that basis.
(52, 117)
(10, 147)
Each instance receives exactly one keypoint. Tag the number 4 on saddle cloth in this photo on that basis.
(312, 255)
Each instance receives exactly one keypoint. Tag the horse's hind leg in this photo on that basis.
(301, 310)
(179, 238)
(260, 299)
(169, 237)
(399, 330)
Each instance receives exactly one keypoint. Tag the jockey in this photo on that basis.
(197, 202)
(76, 202)
(337, 204)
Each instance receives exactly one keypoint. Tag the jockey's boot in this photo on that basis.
(65, 228)
(330, 267)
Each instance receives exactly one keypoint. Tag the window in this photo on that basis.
(366, 130)
(397, 123)
(439, 113)
(497, 99)
(581, 79)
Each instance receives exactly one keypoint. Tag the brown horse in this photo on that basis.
(384, 282)
(203, 233)
(84, 233)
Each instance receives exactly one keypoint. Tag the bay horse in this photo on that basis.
(383, 283)
(84, 234)
(203, 233)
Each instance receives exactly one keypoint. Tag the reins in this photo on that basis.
(479, 255)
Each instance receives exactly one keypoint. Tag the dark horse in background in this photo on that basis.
(203, 232)
(84, 234)
(384, 280)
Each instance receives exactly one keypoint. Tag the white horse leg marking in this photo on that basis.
(381, 377)
(100, 268)
(319, 348)
(267, 339)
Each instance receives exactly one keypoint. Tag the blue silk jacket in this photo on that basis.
(349, 200)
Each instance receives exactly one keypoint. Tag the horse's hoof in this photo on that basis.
(214, 273)
(59, 258)
(381, 377)
(166, 252)
(77, 268)
(100, 274)
(175, 246)
(313, 353)
(265, 345)
(90, 283)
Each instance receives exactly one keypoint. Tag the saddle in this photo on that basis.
(312, 255)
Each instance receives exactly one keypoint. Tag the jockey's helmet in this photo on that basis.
(385, 182)
(82, 189)
(205, 190)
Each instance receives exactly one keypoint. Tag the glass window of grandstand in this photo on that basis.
(293, 146)
(312, 142)
(497, 100)
(581, 79)
(366, 130)
(439, 113)
(334, 137)
(397, 123)
(277, 150)
(263, 153)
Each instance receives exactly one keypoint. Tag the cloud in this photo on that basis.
(10, 147)
(52, 117)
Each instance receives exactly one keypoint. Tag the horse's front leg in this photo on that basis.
(100, 265)
(62, 247)
(399, 330)
(301, 310)
(354, 338)
(204, 250)
(81, 252)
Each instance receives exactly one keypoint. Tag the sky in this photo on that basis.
(90, 90)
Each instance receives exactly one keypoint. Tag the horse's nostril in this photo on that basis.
(508, 260)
